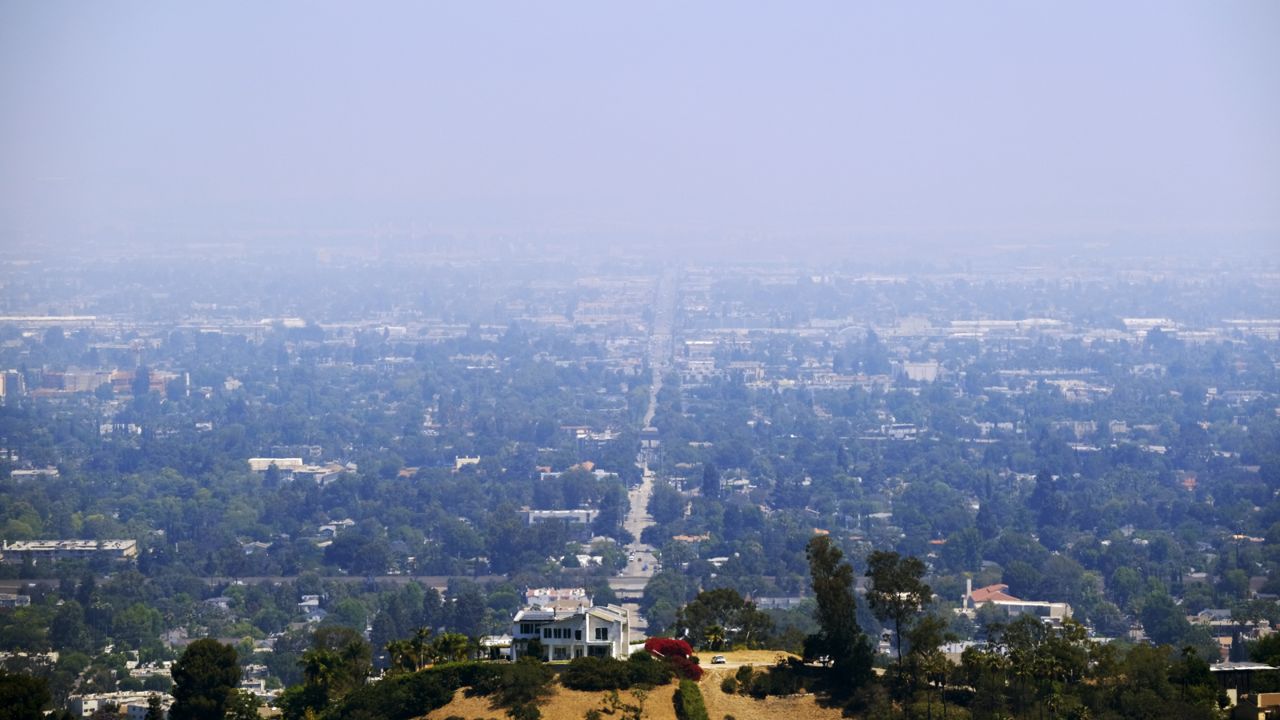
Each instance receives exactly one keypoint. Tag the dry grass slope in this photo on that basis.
(566, 704)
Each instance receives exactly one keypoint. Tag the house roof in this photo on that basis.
(992, 593)
(1240, 667)
(530, 615)
(608, 613)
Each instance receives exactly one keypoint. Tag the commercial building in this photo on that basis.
(51, 550)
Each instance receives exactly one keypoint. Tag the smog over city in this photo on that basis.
(667, 360)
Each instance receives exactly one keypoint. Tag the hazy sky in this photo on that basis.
(1033, 120)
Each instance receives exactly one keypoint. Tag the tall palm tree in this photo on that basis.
(420, 645)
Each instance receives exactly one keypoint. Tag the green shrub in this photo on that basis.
(595, 673)
(779, 680)
(401, 697)
(648, 671)
(525, 711)
(729, 685)
(518, 684)
(689, 704)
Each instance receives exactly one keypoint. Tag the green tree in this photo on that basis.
(839, 635)
(412, 654)
(666, 505)
(242, 705)
(203, 679)
(1164, 622)
(155, 708)
(141, 384)
(737, 620)
(22, 697)
(451, 646)
(1266, 650)
(710, 480)
(714, 637)
(68, 630)
(339, 660)
(897, 590)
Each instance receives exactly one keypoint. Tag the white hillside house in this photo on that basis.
(600, 631)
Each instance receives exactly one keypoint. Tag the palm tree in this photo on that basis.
(451, 646)
(403, 658)
(714, 637)
(319, 668)
(420, 646)
(936, 666)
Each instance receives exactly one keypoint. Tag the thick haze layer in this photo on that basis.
(824, 123)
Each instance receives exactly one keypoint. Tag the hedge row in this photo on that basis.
(596, 673)
(689, 705)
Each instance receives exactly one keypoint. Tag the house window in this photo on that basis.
(527, 629)
(602, 633)
(577, 634)
(546, 633)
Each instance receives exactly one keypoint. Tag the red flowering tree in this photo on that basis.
(668, 647)
(676, 654)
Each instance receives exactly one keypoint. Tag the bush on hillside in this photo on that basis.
(596, 673)
(777, 681)
(401, 697)
(519, 684)
(591, 673)
(648, 671)
(689, 704)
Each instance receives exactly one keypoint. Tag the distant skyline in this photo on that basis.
(815, 125)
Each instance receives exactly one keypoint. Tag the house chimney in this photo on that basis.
(968, 592)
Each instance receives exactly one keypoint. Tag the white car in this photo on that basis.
(717, 660)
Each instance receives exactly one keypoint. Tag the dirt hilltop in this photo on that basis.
(565, 704)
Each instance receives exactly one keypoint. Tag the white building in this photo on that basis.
(600, 631)
(566, 598)
(582, 516)
(262, 464)
(924, 371)
(48, 550)
(133, 705)
(997, 595)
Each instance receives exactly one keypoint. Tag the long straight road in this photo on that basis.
(642, 563)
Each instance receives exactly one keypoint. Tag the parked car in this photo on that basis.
(717, 660)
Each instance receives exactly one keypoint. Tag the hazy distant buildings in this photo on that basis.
(12, 384)
(582, 516)
(920, 371)
(38, 551)
(11, 600)
(294, 469)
